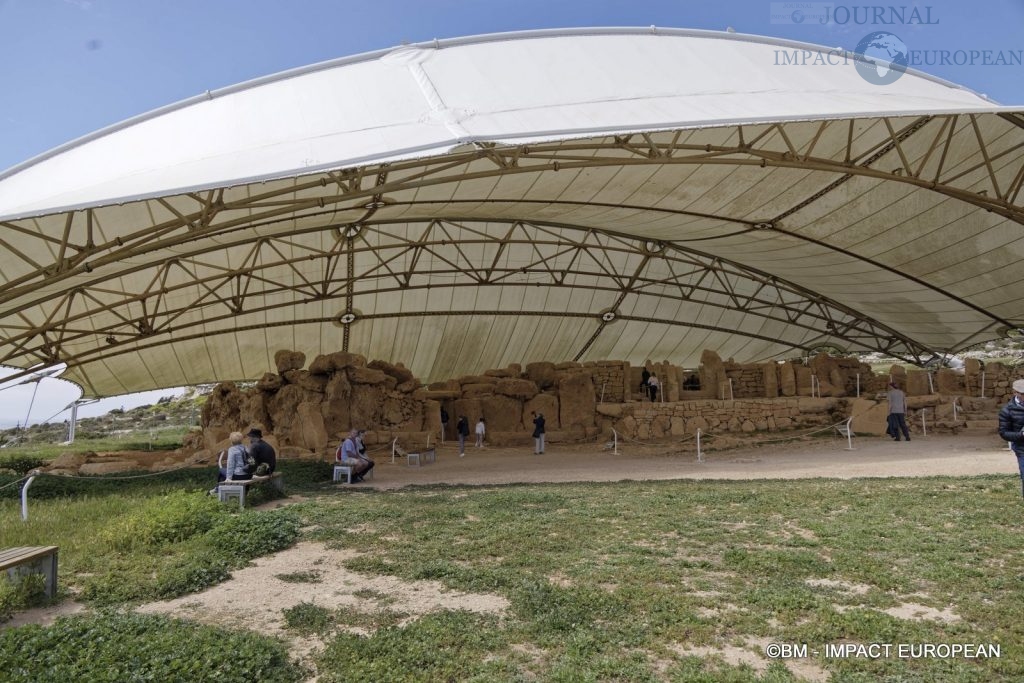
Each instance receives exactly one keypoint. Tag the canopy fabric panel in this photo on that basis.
(507, 199)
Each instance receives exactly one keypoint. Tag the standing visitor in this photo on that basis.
(444, 423)
(538, 433)
(481, 429)
(462, 427)
(1011, 426)
(653, 384)
(897, 412)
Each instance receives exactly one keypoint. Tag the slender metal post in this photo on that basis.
(74, 422)
(700, 456)
(858, 385)
(931, 385)
(924, 426)
(24, 498)
(849, 434)
(615, 441)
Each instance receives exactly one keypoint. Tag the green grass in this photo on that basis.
(605, 582)
(162, 439)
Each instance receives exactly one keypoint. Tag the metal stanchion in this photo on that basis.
(700, 456)
(24, 498)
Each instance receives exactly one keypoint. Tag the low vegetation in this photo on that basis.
(628, 581)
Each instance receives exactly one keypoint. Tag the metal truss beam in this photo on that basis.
(439, 257)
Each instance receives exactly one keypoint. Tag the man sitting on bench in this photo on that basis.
(348, 454)
(262, 452)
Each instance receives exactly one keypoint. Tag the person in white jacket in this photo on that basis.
(481, 429)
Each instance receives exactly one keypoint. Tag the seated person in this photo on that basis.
(236, 468)
(348, 454)
(262, 452)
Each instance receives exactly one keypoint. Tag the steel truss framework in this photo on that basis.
(349, 234)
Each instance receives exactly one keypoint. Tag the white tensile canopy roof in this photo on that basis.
(558, 195)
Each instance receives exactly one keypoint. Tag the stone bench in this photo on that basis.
(32, 560)
(347, 471)
(231, 488)
(428, 455)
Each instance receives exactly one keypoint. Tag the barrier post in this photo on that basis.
(24, 498)
(924, 426)
(700, 456)
(615, 442)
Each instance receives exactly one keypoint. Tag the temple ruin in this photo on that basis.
(305, 411)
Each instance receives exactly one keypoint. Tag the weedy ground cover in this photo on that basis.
(631, 581)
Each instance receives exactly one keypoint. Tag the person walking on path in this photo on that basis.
(538, 433)
(481, 429)
(1011, 426)
(462, 427)
(444, 423)
(645, 386)
(897, 413)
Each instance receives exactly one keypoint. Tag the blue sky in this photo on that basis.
(69, 67)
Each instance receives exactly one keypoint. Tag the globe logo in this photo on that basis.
(881, 58)
(797, 16)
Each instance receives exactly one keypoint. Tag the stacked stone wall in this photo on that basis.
(307, 411)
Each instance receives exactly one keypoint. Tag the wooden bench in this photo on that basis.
(231, 488)
(346, 470)
(428, 455)
(34, 560)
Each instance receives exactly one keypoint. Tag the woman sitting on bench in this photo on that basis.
(236, 469)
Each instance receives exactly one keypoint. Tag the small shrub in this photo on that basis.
(191, 574)
(112, 646)
(306, 619)
(252, 534)
(21, 464)
(27, 590)
(166, 519)
(300, 577)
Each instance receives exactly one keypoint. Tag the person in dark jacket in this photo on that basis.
(262, 452)
(538, 433)
(462, 427)
(1011, 426)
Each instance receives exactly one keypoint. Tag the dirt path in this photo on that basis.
(871, 457)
